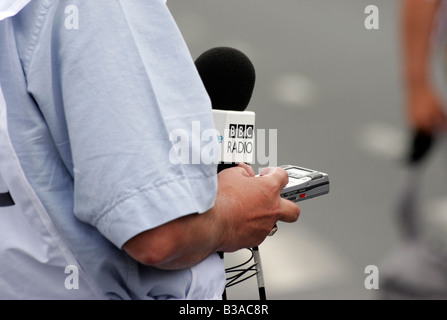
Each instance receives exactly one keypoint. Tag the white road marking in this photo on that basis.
(294, 90)
(293, 262)
(383, 140)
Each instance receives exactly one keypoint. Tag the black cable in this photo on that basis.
(242, 274)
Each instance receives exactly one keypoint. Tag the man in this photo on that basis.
(92, 205)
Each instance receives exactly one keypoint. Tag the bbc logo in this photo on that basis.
(241, 131)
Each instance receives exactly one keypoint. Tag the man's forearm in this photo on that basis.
(181, 243)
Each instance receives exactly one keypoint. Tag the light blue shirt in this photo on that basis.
(89, 109)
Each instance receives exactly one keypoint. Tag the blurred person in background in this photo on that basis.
(417, 269)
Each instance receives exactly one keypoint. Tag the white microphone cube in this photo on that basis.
(236, 135)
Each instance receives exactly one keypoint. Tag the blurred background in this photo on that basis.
(333, 91)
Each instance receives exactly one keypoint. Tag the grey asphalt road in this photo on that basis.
(333, 91)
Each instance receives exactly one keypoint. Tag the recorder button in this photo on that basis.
(315, 176)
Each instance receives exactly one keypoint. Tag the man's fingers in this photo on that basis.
(278, 174)
(247, 168)
(289, 211)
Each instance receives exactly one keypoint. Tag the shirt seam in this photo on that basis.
(36, 35)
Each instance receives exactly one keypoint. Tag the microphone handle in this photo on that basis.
(223, 166)
(220, 167)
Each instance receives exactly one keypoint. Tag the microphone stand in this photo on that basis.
(259, 274)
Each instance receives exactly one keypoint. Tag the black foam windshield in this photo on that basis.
(228, 76)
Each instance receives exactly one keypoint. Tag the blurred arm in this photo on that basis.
(424, 106)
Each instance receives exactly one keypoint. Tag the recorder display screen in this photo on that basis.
(297, 173)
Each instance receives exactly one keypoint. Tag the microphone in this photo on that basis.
(229, 78)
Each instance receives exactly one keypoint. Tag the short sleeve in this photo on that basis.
(112, 90)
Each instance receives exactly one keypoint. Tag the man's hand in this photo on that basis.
(245, 211)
